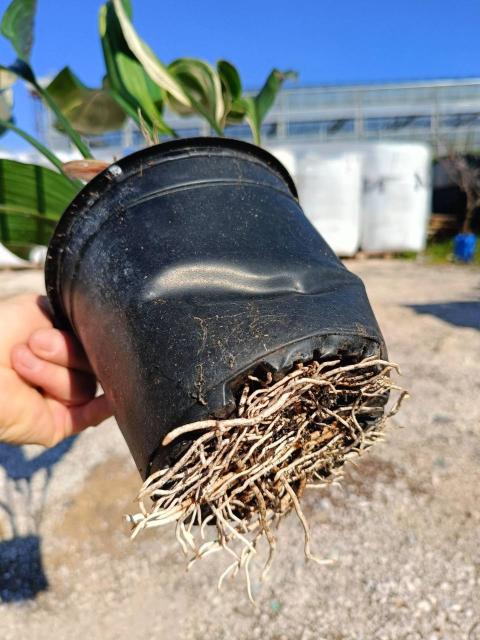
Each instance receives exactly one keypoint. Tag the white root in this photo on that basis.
(244, 474)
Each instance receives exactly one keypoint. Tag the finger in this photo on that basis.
(70, 387)
(68, 421)
(25, 417)
(59, 347)
(90, 414)
(21, 316)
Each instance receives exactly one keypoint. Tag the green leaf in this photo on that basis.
(17, 26)
(257, 107)
(89, 111)
(231, 90)
(266, 97)
(23, 70)
(230, 78)
(249, 107)
(64, 122)
(236, 112)
(202, 84)
(32, 199)
(152, 65)
(129, 85)
(192, 86)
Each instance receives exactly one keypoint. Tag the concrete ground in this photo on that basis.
(404, 532)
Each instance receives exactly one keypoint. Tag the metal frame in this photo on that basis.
(445, 113)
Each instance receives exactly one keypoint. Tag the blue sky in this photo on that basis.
(326, 41)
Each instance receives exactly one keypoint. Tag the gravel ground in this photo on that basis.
(404, 531)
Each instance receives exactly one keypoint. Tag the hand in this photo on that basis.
(47, 389)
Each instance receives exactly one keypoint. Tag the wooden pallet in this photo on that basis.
(442, 224)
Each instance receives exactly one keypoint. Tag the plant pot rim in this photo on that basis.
(124, 168)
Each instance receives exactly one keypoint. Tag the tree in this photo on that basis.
(465, 173)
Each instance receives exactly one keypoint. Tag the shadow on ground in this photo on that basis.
(461, 313)
(22, 575)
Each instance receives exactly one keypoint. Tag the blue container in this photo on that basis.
(464, 245)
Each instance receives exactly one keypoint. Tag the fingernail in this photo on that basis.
(45, 340)
(27, 359)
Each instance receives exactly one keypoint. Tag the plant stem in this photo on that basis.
(55, 160)
(255, 132)
(67, 127)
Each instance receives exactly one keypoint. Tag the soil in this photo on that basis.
(403, 531)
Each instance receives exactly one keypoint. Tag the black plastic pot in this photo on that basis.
(184, 266)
